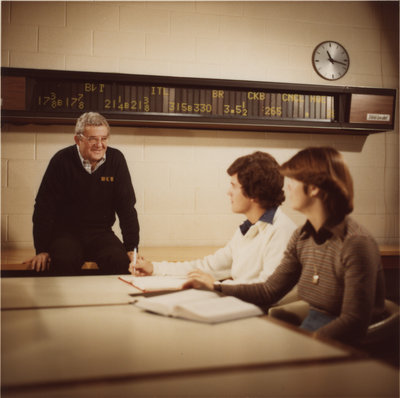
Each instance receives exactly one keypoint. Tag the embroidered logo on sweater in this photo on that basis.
(107, 179)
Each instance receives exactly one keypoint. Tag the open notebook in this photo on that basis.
(154, 283)
(199, 305)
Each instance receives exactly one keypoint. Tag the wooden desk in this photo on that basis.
(12, 259)
(390, 256)
(86, 344)
(66, 291)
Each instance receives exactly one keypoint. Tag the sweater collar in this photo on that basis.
(325, 232)
(86, 164)
(267, 217)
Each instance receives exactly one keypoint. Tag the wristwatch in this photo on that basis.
(218, 286)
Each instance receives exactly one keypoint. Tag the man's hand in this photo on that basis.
(199, 280)
(142, 267)
(40, 262)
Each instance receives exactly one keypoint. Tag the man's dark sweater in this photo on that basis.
(72, 200)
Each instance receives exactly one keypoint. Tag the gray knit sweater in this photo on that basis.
(350, 284)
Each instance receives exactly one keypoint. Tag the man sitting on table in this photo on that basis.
(83, 188)
(257, 246)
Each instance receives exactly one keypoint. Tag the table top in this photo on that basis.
(345, 379)
(12, 259)
(79, 336)
(389, 250)
(67, 291)
(107, 342)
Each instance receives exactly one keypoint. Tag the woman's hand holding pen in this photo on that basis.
(142, 267)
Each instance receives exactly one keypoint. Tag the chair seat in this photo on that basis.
(386, 327)
(294, 313)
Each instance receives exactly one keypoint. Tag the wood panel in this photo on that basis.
(374, 109)
(13, 93)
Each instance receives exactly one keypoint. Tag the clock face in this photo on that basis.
(330, 60)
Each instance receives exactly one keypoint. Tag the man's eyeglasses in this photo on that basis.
(94, 140)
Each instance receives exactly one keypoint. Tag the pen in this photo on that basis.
(134, 260)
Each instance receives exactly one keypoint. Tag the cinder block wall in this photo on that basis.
(179, 175)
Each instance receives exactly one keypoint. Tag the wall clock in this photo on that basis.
(330, 60)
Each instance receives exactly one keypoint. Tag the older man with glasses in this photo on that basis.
(84, 187)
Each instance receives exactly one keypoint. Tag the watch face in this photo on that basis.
(330, 60)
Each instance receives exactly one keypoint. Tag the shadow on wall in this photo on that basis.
(237, 138)
(388, 12)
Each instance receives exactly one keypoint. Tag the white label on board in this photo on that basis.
(381, 117)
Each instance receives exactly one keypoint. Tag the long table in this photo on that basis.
(81, 334)
(12, 259)
(67, 291)
(344, 379)
(86, 343)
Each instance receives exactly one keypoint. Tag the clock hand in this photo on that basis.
(334, 60)
(338, 62)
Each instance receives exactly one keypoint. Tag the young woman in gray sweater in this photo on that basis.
(334, 261)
